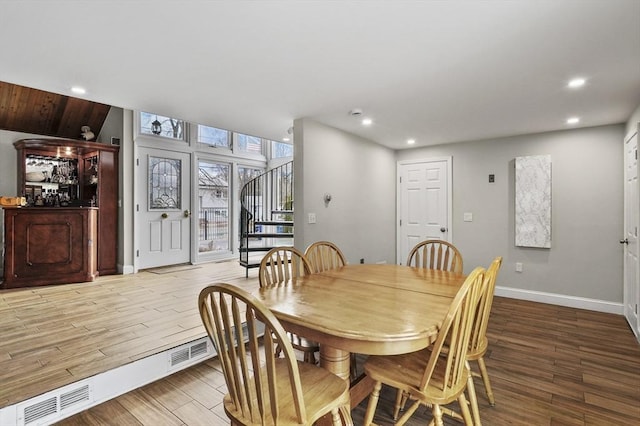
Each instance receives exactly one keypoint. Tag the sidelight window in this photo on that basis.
(213, 213)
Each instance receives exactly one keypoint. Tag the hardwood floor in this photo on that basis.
(56, 335)
(548, 365)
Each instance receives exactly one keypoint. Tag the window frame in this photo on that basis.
(185, 131)
(203, 146)
(248, 154)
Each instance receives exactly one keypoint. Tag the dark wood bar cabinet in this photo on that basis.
(68, 230)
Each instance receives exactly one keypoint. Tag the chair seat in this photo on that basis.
(405, 372)
(321, 390)
(479, 350)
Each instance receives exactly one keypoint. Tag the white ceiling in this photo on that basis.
(436, 71)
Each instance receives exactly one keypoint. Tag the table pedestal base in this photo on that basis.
(335, 360)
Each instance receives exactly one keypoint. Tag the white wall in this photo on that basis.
(360, 176)
(585, 259)
(112, 126)
(634, 121)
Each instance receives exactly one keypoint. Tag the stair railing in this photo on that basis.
(268, 197)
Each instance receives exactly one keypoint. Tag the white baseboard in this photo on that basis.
(561, 300)
(126, 269)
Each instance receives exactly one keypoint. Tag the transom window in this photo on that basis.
(159, 125)
(247, 143)
(213, 136)
(281, 149)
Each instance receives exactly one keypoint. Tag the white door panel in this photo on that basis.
(424, 203)
(631, 222)
(163, 208)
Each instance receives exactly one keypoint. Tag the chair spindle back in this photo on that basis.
(281, 265)
(436, 254)
(324, 256)
(455, 333)
(223, 309)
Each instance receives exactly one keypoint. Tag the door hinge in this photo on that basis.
(400, 179)
(137, 207)
(137, 253)
(400, 222)
(137, 161)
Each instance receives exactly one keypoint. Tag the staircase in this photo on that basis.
(266, 215)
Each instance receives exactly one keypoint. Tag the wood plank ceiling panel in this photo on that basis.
(23, 109)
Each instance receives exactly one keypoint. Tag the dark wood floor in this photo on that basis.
(549, 365)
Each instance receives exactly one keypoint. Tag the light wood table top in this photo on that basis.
(367, 309)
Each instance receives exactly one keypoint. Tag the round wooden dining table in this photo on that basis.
(380, 309)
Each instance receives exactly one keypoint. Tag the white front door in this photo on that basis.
(163, 208)
(424, 203)
(631, 219)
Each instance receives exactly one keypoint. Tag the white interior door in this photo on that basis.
(631, 219)
(424, 203)
(163, 208)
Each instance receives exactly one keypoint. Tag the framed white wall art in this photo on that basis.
(533, 201)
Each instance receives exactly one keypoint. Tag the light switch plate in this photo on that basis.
(312, 218)
(468, 217)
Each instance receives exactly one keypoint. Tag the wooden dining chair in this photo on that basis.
(435, 254)
(264, 389)
(282, 266)
(324, 256)
(432, 376)
(478, 343)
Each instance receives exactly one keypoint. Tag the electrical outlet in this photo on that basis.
(312, 218)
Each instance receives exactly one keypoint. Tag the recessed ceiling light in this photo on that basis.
(411, 141)
(576, 83)
(78, 90)
(366, 122)
(573, 120)
(286, 139)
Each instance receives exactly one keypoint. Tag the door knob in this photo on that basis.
(625, 241)
(187, 213)
(443, 229)
(164, 215)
